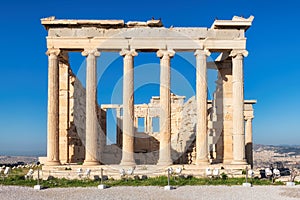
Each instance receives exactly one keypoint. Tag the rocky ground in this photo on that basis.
(181, 193)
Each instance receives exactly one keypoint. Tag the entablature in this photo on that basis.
(115, 35)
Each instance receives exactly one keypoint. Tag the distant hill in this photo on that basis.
(264, 155)
(15, 159)
(281, 149)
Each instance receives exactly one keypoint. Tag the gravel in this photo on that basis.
(153, 192)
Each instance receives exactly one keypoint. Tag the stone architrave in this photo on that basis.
(128, 107)
(165, 107)
(238, 106)
(91, 145)
(53, 108)
(201, 97)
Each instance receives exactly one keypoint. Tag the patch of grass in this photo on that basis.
(70, 183)
(20, 181)
(157, 181)
(162, 181)
(264, 182)
(17, 178)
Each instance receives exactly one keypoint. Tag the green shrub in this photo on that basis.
(224, 176)
(244, 172)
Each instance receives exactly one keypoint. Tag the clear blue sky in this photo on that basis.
(272, 71)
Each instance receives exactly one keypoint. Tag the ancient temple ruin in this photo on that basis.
(193, 131)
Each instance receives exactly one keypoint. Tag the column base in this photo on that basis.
(127, 163)
(227, 161)
(213, 162)
(53, 163)
(202, 162)
(164, 163)
(239, 162)
(91, 163)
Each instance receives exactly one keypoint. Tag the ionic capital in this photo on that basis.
(53, 52)
(238, 53)
(248, 117)
(93, 52)
(128, 52)
(163, 53)
(202, 52)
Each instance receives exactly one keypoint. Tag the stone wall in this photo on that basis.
(72, 117)
(223, 122)
(146, 142)
(77, 121)
(63, 109)
(72, 107)
(182, 142)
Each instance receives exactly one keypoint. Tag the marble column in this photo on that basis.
(248, 140)
(91, 141)
(150, 124)
(53, 108)
(165, 107)
(201, 97)
(238, 106)
(128, 107)
(146, 124)
(118, 127)
(135, 122)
